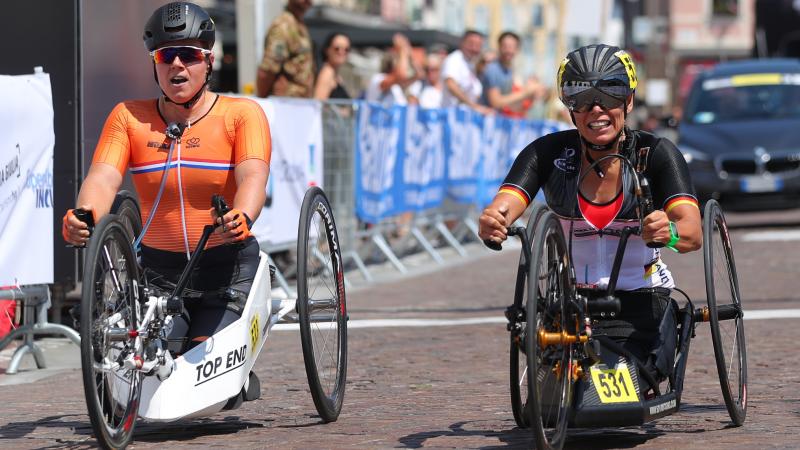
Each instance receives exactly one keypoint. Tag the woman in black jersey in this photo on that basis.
(597, 84)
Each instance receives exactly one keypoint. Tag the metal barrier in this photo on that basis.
(36, 301)
(427, 230)
(393, 239)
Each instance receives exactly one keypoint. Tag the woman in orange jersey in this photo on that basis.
(180, 149)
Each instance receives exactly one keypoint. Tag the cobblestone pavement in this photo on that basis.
(446, 387)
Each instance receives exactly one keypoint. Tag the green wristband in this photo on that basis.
(673, 236)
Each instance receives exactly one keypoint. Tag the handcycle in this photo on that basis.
(562, 375)
(128, 370)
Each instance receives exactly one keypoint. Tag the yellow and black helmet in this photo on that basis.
(604, 67)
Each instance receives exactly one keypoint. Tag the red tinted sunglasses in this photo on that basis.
(187, 54)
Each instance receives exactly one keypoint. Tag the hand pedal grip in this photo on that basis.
(85, 217)
(647, 207)
(219, 205)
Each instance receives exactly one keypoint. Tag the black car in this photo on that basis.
(741, 133)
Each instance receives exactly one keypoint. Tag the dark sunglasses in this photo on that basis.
(581, 96)
(187, 54)
(338, 49)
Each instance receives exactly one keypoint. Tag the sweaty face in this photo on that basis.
(181, 80)
(601, 126)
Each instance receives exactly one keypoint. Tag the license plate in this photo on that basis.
(614, 385)
(761, 183)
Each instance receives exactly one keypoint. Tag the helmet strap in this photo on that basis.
(603, 147)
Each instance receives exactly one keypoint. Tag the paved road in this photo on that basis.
(446, 386)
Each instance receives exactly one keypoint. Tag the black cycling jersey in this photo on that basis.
(552, 163)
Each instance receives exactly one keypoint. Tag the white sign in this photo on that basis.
(296, 129)
(26, 180)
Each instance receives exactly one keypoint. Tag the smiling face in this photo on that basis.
(509, 46)
(181, 80)
(337, 51)
(471, 46)
(601, 126)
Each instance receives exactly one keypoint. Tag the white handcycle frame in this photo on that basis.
(201, 381)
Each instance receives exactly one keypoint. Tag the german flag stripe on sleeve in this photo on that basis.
(516, 192)
(680, 200)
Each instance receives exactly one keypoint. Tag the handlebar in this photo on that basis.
(646, 200)
(512, 231)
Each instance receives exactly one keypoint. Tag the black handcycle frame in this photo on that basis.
(589, 412)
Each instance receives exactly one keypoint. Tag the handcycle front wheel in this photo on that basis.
(109, 311)
(321, 304)
(518, 362)
(725, 312)
(127, 209)
(550, 288)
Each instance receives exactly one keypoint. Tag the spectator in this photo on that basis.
(461, 83)
(334, 54)
(397, 73)
(287, 68)
(428, 91)
(500, 90)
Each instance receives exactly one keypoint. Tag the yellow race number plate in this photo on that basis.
(614, 385)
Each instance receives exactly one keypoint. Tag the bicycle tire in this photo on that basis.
(323, 321)
(549, 368)
(725, 312)
(518, 385)
(110, 284)
(126, 207)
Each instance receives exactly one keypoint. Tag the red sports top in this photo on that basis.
(234, 130)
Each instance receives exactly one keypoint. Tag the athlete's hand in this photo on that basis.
(655, 227)
(232, 227)
(492, 223)
(73, 230)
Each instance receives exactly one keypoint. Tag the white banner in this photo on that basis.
(26, 180)
(296, 129)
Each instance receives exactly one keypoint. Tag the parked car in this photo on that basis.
(741, 133)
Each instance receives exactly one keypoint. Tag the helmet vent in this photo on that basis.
(174, 12)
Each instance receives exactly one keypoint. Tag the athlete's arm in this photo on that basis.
(96, 195)
(513, 198)
(687, 222)
(672, 190)
(251, 186)
(495, 218)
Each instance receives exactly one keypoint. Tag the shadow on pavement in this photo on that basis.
(515, 438)
(600, 438)
(19, 430)
(188, 430)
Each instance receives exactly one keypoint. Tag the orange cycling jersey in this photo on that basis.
(234, 130)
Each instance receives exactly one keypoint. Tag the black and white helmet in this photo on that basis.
(178, 21)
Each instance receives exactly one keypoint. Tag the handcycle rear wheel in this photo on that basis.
(109, 311)
(321, 304)
(725, 312)
(549, 366)
(518, 363)
(127, 209)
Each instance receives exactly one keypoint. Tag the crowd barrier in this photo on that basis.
(404, 180)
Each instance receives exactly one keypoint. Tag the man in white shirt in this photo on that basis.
(462, 84)
(397, 73)
(428, 91)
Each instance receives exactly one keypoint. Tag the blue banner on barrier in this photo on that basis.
(378, 145)
(409, 159)
(423, 159)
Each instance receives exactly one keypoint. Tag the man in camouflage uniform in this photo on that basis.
(287, 69)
